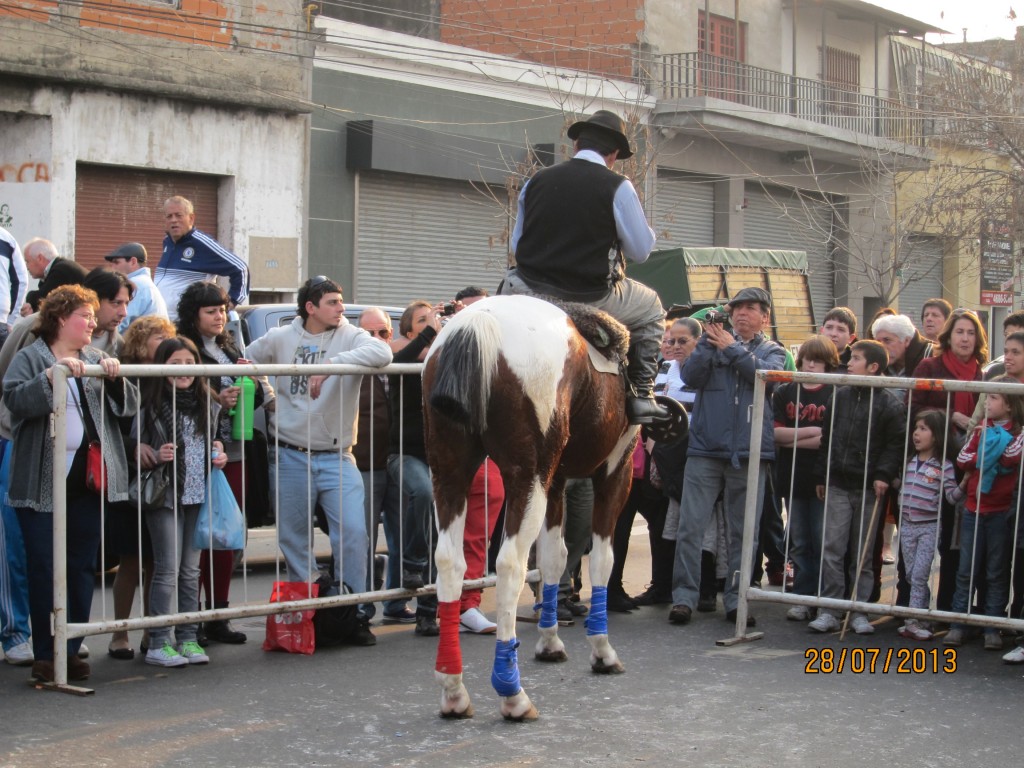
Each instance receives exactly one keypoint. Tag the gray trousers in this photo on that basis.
(705, 478)
(578, 514)
(847, 528)
(631, 303)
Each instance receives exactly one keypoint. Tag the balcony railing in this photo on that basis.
(686, 75)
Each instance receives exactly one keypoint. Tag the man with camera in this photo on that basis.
(721, 369)
(577, 223)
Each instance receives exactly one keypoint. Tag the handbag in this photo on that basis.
(291, 632)
(220, 520)
(150, 487)
(95, 472)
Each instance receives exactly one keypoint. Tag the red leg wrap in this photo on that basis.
(449, 652)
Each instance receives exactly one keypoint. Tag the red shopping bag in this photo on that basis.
(291, 632)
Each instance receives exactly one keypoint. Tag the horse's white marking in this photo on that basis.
(511, 563)
(450, 558)
(622, 447)
(535, 350)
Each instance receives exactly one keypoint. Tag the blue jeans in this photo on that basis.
(382, 502)
(175, 564)
(991, 562)
(413, 476)
(83, 534)
(805, 525)
(705, 478)
(14, 610)
(305, 480)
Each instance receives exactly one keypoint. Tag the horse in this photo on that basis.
(510, 377)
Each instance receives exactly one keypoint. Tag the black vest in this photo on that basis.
(569, 247)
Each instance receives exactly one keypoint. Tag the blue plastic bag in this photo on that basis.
(221, 513)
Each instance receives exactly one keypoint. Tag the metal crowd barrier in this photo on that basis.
(63, 630)
(748, 593)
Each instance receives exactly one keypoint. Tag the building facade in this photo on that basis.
(106, 112)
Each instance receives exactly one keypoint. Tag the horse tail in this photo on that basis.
(465, 368)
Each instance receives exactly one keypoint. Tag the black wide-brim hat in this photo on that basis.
(610, 125)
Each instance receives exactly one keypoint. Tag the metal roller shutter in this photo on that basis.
(116, 205)
(420, 238)
(778, 219)
(922, 275)
(684, 210)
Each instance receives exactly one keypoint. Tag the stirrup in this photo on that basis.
(669, 430)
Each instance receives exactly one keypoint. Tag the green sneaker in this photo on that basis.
(165, 656)
(193, 653)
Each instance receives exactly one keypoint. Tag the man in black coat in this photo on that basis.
(51, 270)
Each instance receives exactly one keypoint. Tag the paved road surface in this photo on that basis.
(682, 701)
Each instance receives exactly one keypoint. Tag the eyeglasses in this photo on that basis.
(680, 342)
(89, 318)
(383, 332)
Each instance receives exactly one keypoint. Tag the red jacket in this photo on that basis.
(1000, 496)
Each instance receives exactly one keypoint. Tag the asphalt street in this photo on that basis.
(682, 701)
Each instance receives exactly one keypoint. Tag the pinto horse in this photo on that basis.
(511, 378)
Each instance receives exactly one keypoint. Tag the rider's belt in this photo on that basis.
(291, 447)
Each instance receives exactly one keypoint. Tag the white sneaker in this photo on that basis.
(1016, 656)
(20, 655)
(83, 651)
(825, 622)
(798, 613)
(165, 656)
(859, 623)
(474, 621)
(193, 653)
(916, 631)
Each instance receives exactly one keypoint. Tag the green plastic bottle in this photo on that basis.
(241, 424)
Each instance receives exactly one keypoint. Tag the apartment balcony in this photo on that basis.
(698, 92)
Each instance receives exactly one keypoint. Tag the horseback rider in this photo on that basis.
(577, 223)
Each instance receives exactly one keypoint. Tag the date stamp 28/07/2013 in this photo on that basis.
(858, 661)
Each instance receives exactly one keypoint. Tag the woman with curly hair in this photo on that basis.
(66, 322)
(202, 318)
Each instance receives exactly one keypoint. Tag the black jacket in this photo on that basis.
(62, 272)
(845, 436)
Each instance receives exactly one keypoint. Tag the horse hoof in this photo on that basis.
(529, 715)
(453, 715)
(602, 668)
(551, 656)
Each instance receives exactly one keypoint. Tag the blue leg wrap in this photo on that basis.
(597, 622)
(548, 606)
(505, 677)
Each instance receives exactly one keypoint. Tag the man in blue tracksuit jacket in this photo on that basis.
(721, 368)
(190, 255)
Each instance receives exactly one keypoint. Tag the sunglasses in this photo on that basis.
(673, 342)
(383, 332)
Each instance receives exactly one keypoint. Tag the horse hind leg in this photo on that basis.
(511, 568)
(451, 567)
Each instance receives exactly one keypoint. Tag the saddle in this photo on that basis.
(601, 331)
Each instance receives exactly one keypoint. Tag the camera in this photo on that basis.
(448, 308)
(714, 317)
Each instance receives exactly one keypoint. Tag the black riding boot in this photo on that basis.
(641, 407)
(222, 632)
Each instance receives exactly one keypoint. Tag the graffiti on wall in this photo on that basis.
(25, 172)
